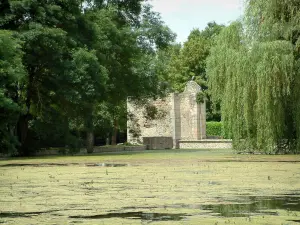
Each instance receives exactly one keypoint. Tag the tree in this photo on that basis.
(189, 61)
(210, 32)
(89, 79)
(11, 74)
(253, 70)
(130, 57)
(50, 36)
(78, 56)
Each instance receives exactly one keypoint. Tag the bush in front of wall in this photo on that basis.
(214, 128)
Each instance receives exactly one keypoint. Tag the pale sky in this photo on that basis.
(184, 15)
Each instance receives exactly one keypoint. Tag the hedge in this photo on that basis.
(214, 128)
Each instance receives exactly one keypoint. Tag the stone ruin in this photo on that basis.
(165, 123)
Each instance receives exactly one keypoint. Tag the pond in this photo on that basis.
(167, 187)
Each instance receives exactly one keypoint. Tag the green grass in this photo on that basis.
(154, 182)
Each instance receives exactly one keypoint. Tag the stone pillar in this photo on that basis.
(202, 120)
(199, 123)
(175, 120)
(194, 117)
(195, 126)
(197, 118)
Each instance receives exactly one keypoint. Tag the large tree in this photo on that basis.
(129, 58)
(48, 34)
(254, 72)
(182, 63)
(11, 74)
(80, 58)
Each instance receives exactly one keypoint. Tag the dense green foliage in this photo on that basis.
(254, 72)
(11, 73)
(214, 128)
(67, 67)
(182, 63)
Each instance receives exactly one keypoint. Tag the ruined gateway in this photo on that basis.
(178, 118)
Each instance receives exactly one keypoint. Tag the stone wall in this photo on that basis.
(206, 144)
(154, 143)
(141, 125)
(119, 148)
(178, 116)
(192, 115)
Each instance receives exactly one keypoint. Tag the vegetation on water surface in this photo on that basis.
(253, 72)
(171, 187)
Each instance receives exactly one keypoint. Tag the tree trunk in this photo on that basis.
(22, 131)
(22, 128)
(90, 141)
(115, 133)
(89, 126)
(107, 140)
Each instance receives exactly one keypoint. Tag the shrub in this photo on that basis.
(214, 128)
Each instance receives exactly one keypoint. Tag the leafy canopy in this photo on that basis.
(254, 71)
(67, 67)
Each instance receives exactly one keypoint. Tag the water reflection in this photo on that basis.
(256, 205)
(136, 215)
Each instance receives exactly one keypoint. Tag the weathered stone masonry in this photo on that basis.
(178, 116)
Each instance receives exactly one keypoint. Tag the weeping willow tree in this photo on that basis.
(253, 72)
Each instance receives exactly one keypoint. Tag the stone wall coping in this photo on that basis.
(119, 147)
(207, 141)
(158, 137)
